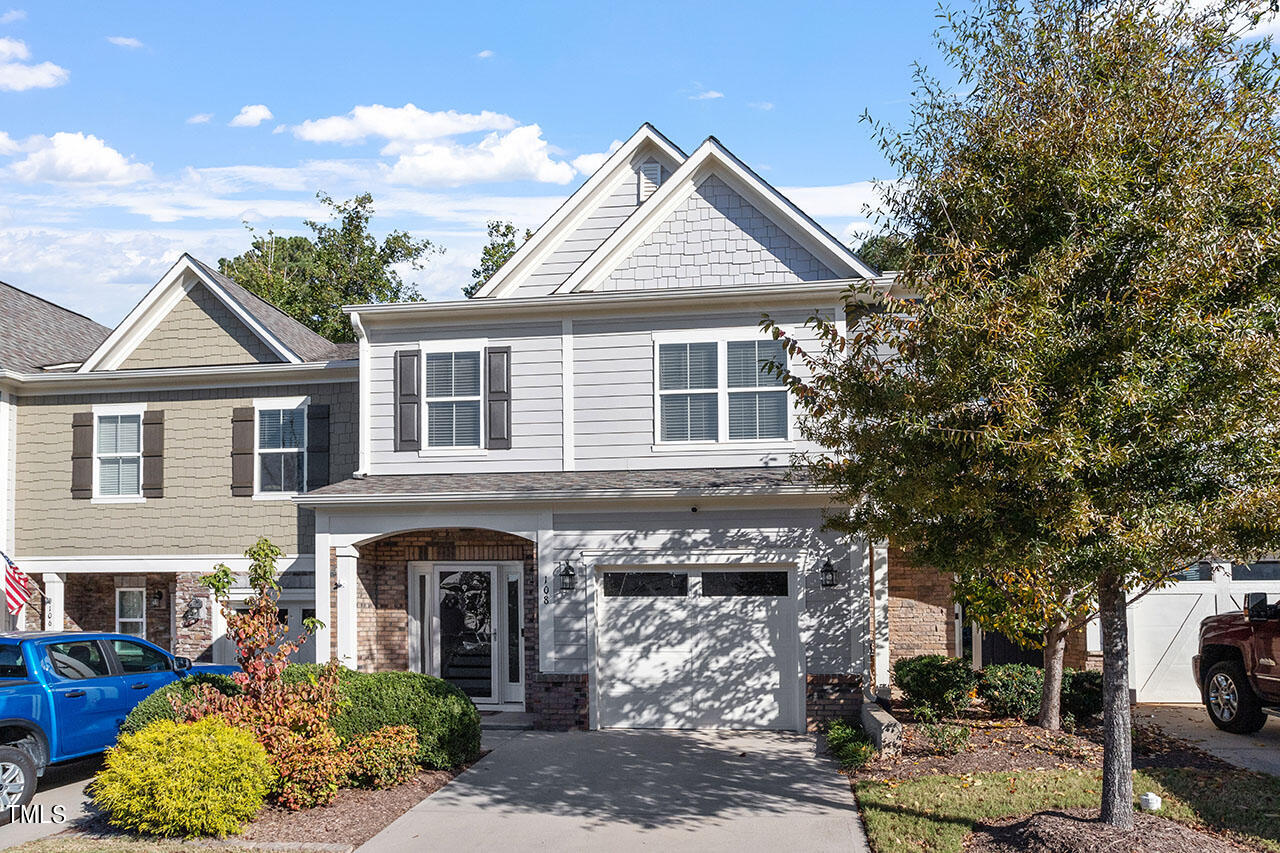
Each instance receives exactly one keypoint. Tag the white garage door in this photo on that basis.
(1164, 634)
(698, 648)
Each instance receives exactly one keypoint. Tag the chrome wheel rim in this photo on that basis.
(1224, 699)
(11, 785)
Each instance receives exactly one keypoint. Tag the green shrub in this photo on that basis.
(850, 745)
(1011, 689)
(158, 706)
(384, 758)
(186, 779)
(447, 722)
(936, 683)
(1081, 694)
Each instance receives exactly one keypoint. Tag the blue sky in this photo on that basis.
(130, 132)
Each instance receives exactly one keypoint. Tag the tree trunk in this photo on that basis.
(1055, 647)
(1117, 746)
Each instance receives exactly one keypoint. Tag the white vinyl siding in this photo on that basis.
(118, 451)
(754, 412)
(452, 399)
(281, 450)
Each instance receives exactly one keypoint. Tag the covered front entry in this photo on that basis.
(685, 647)
(465, 626)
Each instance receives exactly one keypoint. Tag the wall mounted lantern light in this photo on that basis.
(157, 598)
(568, 577)
(828, 574)
(195, 608)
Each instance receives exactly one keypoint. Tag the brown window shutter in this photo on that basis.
(317, 446)
(408, 402)
(498, 397)
(242, 426)
(82, 455)
(153, 454)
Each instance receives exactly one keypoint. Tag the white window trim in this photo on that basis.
(268, 404)
(476, 345)
(721, 338)
(143, 619)
(101, 409)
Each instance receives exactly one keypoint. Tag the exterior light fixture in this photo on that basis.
(192, 614)
(828, 574)
(568, 577)
(157, 598)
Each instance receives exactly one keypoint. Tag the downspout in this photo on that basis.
(363, 397)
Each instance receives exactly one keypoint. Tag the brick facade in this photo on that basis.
(558, 701)
(194, 621)
(831, 697)
(921, 612)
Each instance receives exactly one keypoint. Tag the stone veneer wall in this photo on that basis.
(831, 697)
(558, 702)
(921, 611)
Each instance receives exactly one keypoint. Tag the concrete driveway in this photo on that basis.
(1259, 751)
(637, 790)
(62, 785)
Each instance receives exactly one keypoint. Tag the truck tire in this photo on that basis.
(18, 780)
(1230, 701)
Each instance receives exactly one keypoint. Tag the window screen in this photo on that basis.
(119, 455)
(453, 399)
(744, 583)
(645, 584)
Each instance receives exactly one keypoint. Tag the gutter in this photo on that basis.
(315, 500)
(163, 377)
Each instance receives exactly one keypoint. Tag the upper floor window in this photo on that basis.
(710, 390)
(452, 396)
(281, 447)
(117, 453)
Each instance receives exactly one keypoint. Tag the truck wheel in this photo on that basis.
(1231, 702)
(17, 780)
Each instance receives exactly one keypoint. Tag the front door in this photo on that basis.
(465, 628)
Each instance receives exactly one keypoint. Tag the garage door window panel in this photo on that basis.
(645, 584)
(729, 584)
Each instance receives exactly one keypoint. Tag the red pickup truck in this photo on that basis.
(1237, 670)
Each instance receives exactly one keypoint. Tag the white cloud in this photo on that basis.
(708, 95)
(251, 115)
(484, 54)
(76, 158)
(7, 145)
(280, 128)
(836, 202)
(399, 124)
(586, 164)
(13, 16)
(125, 41)
(521, 154)
(17, 76)
(200, 118)
(761, 105)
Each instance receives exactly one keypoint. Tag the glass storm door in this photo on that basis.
(465, 600)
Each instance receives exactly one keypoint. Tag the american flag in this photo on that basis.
(15, 585)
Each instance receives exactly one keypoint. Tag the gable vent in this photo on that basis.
(650, 178)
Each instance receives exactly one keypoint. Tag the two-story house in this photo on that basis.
(134, 459)
(573, 494)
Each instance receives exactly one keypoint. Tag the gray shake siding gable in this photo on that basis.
(198, 514)
(200, 330)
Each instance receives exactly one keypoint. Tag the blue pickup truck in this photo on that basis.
(63, 695)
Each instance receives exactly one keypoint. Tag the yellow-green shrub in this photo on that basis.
(188, 779)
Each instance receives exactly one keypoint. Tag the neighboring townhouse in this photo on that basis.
(573, 495)
(140, 457)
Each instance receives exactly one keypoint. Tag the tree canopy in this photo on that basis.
(342, 263)
(501, 246)
(1081, 358)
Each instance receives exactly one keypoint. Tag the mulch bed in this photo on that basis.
(1078, 831)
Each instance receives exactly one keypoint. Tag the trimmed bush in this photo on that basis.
(1011, 689)
(385, 758)
(183, 779)
(936, 683)
(446, 721)
(159, 705)
(1081, 694)
(850, 744)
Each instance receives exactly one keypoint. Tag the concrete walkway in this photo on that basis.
(1259, 751)
(639, 790)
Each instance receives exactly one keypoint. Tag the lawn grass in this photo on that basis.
(936, 813)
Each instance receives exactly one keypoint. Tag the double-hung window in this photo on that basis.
(757, 401)
(452, 397)
(118, 453)
(281, 447)
(131, 611)
(721, 390)
(687, 387)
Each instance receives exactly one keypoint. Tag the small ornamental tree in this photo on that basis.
(290, 719)
(1082, 354)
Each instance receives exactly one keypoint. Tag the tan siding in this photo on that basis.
(200, 330)
(198, 514)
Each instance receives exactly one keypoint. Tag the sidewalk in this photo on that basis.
(1258, 751)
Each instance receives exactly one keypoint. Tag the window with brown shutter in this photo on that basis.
(153, 454)
(242, 451)
(408, 399)
(317, 446)
(82, 455)
(498, 398)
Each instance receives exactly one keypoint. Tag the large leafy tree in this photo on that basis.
(1088, 366)
(501, 246)
(342, 263)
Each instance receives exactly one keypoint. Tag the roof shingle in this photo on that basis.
(35, 333)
